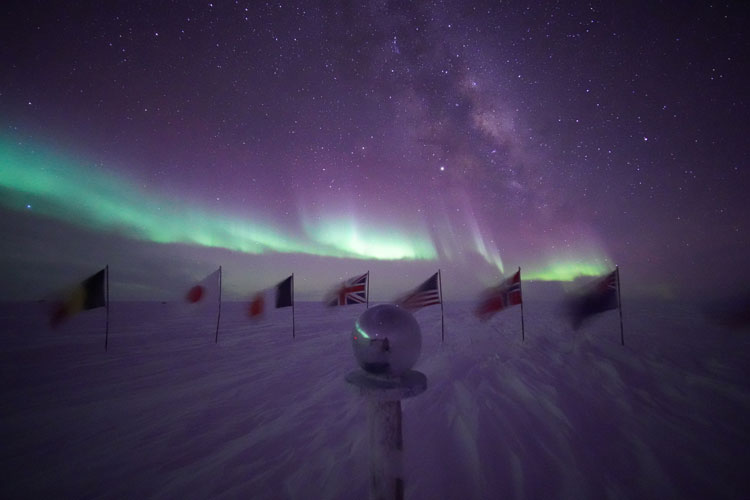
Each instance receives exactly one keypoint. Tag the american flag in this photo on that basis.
(426, 294)
(353, 291)
(610, 281)
(506, 294)
(599, 296)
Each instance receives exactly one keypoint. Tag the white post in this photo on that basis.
(383, 397)
(386, 450)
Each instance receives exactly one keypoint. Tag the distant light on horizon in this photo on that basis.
(566, 270)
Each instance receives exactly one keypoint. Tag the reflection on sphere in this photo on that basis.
(386, 340)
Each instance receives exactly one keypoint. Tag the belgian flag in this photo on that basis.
(89, 294)
(285, 293)
(284, 297)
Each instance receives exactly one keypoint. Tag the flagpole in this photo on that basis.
(619, 305)
(520, 287)
(106, 329)
(218, 316)
(442, 321)
(368, 290)
(292, 305)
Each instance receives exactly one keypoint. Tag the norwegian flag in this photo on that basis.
(426, 294)
(597, 297)
(506, 294)
(353, 291)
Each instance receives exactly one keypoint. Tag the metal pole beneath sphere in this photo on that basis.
(386, 341)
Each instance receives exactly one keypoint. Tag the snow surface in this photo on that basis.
(167, 413)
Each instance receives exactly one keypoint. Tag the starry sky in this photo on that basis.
(331, 138)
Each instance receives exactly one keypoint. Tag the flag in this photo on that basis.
(257, 305)
(506, 294)
(426, 294)
(352, 291)
(206, 290)
(597, 297)
(89, 294)
(284, 297)
(285, 293)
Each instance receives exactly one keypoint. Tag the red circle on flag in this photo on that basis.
(257, 306)
(195, 294)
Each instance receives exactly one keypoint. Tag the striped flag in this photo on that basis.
(352, 291)
(426, 294)
(283, 296)
(88, 294)
(597, 297)
(506, 294)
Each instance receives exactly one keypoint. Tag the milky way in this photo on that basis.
(476, 137)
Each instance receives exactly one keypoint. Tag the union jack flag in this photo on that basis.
(426, 294)
(506, 294)
(352, 291)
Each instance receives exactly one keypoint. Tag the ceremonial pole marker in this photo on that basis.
(386, 341)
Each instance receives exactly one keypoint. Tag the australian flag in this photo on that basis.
(597, 297)
(353, 291)
(506, 294)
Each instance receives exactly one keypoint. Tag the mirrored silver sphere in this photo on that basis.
(386, 340)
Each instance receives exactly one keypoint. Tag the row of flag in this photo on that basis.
(602, 294)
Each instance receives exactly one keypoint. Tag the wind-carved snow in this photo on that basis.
(166, 412)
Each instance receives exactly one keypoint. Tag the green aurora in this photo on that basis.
(568, 270)
(58, 187)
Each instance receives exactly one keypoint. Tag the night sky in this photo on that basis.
(331, 138)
